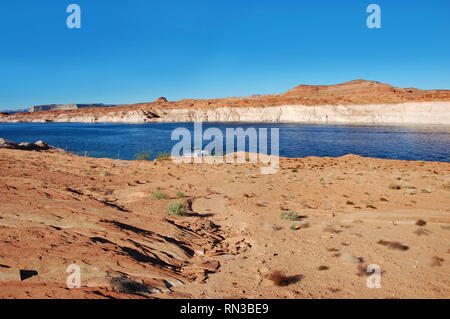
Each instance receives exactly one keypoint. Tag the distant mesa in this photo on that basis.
(352, 87)
(64, 107)
(162, 99)
(10, 112)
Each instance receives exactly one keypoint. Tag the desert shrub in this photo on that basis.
(421, 222)
(446, 186)
(280, 279)
(143, 155)
(163, 156)
(290, 214)
(395, 186)
(158, 195)
(176, 208)
(181, 195)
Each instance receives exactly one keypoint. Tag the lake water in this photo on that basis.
(124, 141)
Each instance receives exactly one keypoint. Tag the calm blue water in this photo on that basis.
(124, 141)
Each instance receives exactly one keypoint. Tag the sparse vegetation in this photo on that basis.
(163, 156)
(180, 195)
(294, 226)
(280, 279)
(395, 186)
(421, 222)
(158, 195)
(143, 155)
(446, 186)
(437, 261)
(393, 245)
(176, 208)
(106, 174)
(291, 215)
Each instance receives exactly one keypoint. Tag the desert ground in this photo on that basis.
(235, 237)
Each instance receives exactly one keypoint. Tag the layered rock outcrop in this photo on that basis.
(354, 102)
(405, 113)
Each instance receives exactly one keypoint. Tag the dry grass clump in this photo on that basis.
(422, 231)
(436, 261)
(176, 208)
(393, 245)
(291, 215)
(395, 186)
(446, 186)
(158, 195)
(421, 222)
(362, 270)
(280, 279)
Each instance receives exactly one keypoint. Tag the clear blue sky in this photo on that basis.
(138, 50)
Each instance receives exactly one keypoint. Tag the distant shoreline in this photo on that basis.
(410, 113)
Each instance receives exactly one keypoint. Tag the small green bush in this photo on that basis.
(176, 208)
(290, 214)
(163, 156)
(143, 155)
(158, 195)
(181, 195)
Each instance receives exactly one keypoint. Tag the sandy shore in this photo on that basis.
(111, 218)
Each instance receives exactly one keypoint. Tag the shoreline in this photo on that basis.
(409, 113)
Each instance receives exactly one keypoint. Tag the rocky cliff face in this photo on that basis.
(431, 113)
(405, 113)
(355, 102)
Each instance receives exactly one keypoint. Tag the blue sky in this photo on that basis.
(137, 50)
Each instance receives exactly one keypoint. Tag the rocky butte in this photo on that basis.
(354, 102)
